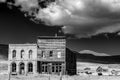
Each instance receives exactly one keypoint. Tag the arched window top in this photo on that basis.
(30, 64)
(14, 51)
(13, 64)
(30, 51)
(22, 51)
(21, 64)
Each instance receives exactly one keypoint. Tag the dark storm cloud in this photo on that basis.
(81, 18)
(84, 18)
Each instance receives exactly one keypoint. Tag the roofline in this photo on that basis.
(51, 37)
(23, 44)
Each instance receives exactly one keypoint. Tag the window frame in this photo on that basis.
(14, 54)
(13, 67)
(51, 53)
(59, 54)
(30, 54)
(30, 67)
(21, 53)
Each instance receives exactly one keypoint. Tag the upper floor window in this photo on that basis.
(14, 54)
(42, 54)
(30, 54)
(51, 54)
(22, 53)
(59, 54)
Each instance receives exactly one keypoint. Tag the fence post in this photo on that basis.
(9, 76)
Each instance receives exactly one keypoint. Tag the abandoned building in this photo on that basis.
(22, 58)
(48, 56)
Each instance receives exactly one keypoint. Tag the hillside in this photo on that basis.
(3, 52)
(98, 59)
(93, 52)
(80, 57)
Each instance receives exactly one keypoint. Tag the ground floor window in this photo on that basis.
(44, 67)
(51, 67)
(56, 67)
(30, 67)
(13, 67)
(22, 68)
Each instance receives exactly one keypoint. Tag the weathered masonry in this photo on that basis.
(22, 59)
(48, 56)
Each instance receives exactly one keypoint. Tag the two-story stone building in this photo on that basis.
(22, 58)
(48, 56)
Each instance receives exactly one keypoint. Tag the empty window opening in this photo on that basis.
(22, 53)
(51, 54)
(13, 67)
(22, 68)
(30, 67)
(30, 54)
(14, 53)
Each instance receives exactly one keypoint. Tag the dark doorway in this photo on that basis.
(30, 67)
(13, 67)
(22, 68)
(99, 74)
(38, 66)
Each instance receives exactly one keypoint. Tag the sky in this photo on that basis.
(16, 28)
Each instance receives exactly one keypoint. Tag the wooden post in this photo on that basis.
(49, 70)
(9, 76)
(49, 76)
(62, 70)
(61, 75)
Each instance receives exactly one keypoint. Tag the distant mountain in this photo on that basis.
(80, 57)
(92, 52)
(98, 59)
(3, 58)
(3, 52)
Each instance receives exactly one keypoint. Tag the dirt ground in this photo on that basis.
(53, 77)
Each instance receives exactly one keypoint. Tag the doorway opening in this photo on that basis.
(22, 68)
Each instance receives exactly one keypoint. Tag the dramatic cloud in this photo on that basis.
(24, 5)
(84, 18)
(2, 0)
(81, 18)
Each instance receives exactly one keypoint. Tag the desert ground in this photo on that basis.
(55, 77)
